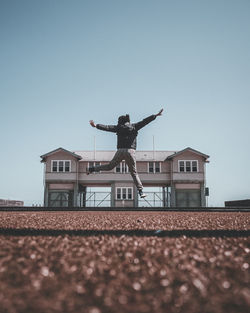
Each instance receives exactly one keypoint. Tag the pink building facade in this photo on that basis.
(180, 175)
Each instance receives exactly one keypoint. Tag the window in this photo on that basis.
(118, 168)
(157, 167)
(60, 198)
(151, 167)
(129, 193)
(194, 166)
(118, 193)
(181, 166)
(121, 168)
(61, 166)
(187, 166)
(54, 166)
(124, 193)
(154, 167)
(67, 166)
(91, 164)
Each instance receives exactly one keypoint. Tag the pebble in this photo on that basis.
(137, 286)
(226, 284)
(245, 266)
(45, 271)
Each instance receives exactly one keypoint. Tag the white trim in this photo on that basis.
(57, 166)
(127, 188)
(154, 172)
(191, 167)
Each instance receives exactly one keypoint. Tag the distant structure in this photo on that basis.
(238, 203)
(10, 203)
(180, 175)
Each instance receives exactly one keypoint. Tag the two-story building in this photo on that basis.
(181, 175)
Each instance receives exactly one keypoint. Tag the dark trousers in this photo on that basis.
(128, 155)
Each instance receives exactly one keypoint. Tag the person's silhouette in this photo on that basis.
(126, 146)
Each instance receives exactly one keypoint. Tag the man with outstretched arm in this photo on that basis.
(126, 146)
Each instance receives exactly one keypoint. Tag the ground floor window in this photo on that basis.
(124, 193)
(60, 198)
(188, 198)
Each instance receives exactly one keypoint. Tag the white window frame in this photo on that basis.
(191, 169)
(127, 188)
(126, 168)
(57, 166)
(197, 163)
(154, 172)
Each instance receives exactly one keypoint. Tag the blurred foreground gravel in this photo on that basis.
(105, 262)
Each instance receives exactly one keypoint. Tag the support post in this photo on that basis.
(203, 198)
(173, 197)
(136, 202)
(113, 195)
(164, 195)
(167, 196)
(46, 195)
(75, 196)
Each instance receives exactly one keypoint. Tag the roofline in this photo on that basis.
(60, 148)
(175, 153)
(116, 150)
(188, 148)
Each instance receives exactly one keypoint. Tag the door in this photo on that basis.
(188, 198)
(60, 198)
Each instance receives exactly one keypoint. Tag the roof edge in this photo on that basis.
(44, 156)
(205, 156)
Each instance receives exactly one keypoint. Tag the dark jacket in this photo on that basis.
(126, 133)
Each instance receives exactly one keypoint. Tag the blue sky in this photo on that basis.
(66, 62)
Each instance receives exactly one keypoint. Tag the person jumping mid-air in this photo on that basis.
(126, 146)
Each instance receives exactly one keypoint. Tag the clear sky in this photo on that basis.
(63, 63)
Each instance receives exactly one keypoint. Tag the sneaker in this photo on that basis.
(89, 170)
(142, 195)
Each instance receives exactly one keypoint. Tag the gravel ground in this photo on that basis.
(136, 262)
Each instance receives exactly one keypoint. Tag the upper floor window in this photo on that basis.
(122, 168)
(91, 164)
(61, 166)
(188, 166)
(124, 193)
(154, 167)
